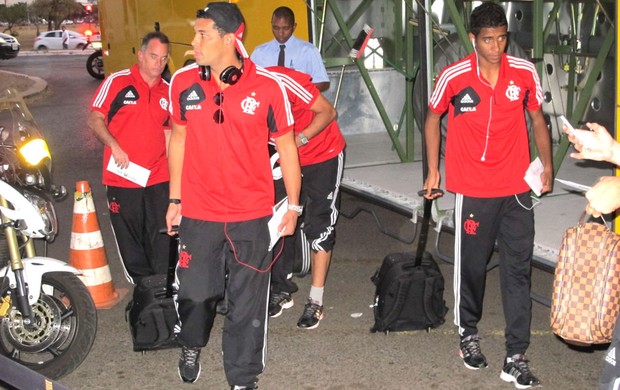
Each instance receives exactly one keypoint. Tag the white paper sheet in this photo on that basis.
(134, 172)
(278, 213)
(532, 176)
(574, 186)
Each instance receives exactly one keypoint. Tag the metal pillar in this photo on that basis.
(404, 155)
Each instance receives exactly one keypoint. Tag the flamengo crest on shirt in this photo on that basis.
(249, 105)
(513, 92)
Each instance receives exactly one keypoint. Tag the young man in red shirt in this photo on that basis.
(129, 115)
(224, 109)
(321, 155)
(487, 154)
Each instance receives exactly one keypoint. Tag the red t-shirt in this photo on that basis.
(487, 148)
(226, 169)
(136, 115)
(302, 94)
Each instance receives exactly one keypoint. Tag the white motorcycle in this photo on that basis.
(48, 319)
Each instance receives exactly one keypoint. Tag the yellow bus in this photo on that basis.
(123, 23)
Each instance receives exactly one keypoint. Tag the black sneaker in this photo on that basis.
(189, 364)
(517, 371)
(470, 352)
(278, 302)
(311, 317)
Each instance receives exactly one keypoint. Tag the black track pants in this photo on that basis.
(479, 222)
(137, 214)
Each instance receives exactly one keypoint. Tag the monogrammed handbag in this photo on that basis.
(586, 287)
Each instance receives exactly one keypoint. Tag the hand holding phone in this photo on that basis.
(571, 129)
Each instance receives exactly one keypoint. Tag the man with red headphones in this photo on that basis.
(224, 109)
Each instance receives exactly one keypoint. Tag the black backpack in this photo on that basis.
(408, 296)
(152, 315)
(409, 288)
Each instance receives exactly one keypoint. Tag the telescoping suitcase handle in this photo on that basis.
(426, 219)
(173, 263)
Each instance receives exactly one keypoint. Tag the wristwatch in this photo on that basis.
(298, 209)
(303, 140)
(174, 201)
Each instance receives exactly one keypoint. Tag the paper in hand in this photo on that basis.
(574, 186)
(532, 176)
(134, 172)
(278, 213)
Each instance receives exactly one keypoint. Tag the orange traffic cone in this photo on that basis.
(87, 253)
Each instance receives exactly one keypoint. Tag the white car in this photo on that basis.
(52, 40)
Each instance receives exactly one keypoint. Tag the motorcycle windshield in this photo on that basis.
(19, 132)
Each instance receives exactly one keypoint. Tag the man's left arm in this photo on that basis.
(167, 134)
(543, 144)
(176, 154)
(291, 174)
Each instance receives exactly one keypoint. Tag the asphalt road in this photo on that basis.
(341, 353)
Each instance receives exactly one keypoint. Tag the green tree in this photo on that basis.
(13, 15)
(55, 11)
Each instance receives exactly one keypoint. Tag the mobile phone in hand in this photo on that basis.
(571, 129)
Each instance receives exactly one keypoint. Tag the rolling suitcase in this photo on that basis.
(409, 288)
(152, 314)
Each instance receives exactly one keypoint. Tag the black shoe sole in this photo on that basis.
(287, 305)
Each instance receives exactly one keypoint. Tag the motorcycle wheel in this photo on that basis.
(64, 330)
(94, 65)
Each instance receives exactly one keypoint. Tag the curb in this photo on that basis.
(39, 85)
(61, 52)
